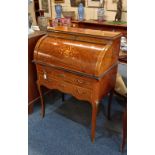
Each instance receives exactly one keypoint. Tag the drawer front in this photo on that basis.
(60, 75)
(77, 91)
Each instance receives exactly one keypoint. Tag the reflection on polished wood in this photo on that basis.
(79, 62)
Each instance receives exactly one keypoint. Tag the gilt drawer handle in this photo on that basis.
(45, 76)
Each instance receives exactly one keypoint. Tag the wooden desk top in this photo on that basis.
(86, 32)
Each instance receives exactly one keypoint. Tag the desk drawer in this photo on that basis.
(60, 75)
(77, 91)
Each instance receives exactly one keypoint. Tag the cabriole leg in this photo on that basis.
(42, 101)
(94, 113)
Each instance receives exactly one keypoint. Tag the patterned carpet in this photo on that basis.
(66, 127)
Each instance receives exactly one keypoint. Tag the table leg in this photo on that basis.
(109, 104)
(94, 113)
(124, 131)
(42, 101)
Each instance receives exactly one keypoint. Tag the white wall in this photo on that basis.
(31, 10)
(90, 13)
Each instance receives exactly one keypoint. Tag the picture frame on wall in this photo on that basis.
(59, 1)
(46, 6)
(93, 3)
(75, 3)
(111, 5)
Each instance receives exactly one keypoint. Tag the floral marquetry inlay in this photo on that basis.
(64, 49)
(68, 51)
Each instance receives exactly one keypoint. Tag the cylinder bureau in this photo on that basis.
(80, 62)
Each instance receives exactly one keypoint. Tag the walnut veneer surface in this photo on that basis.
(80, 62)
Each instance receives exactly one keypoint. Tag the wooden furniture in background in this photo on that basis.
(105, 26)
(33, 94)
(80, 62)
(124, 119)
(122, 59)
(124, 131)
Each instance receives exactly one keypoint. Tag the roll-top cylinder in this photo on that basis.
(77, 52)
